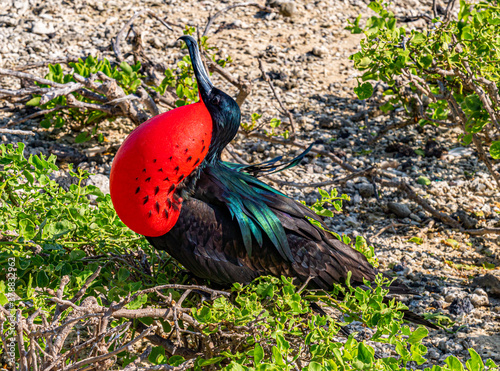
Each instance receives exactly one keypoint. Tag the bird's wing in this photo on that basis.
(311, 250)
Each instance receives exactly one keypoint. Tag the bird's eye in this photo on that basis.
(216, 100)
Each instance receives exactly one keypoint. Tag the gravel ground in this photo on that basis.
(307, 54)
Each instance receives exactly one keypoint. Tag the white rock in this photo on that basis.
(479, 300)
(41, 28)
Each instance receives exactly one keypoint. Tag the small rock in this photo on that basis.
(460, 306)
(399, 267)
(352, 222)
(41, 28)
(401, 210)
(100, 181)
(328, 122)
(365, 190)
(356, 199)
(288, 9)
(467, 221)
(319, 51)
(479, 300)
(436, 304)
(415, 217)
(260, 148)
(434, 149)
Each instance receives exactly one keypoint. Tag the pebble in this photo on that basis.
(41, 28)
(319, 51)
(401, 210)
(460, 306)
(365, 190)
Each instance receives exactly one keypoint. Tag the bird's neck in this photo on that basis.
(223, 134)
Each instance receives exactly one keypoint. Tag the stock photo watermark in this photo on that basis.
(10, 334)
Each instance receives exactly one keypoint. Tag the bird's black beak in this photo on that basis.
(205, 86)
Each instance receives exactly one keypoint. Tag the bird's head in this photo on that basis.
(223, 109)
(155, 160)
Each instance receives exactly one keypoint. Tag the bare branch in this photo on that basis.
(67, 89)
(68, 59)
(4, 93)
(23, 75)
(36, 114)
(16, 132)
(103, 357)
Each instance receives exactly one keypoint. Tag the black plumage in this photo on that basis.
(233, 227)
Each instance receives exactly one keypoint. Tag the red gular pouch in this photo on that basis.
(154, 159)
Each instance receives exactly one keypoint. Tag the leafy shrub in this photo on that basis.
(449, 71)
(127, 77)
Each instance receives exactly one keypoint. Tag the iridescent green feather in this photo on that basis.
(245, 197)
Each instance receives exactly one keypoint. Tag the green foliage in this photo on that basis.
(448, 62)
(127, 77)
(335, 200)
(250, 126)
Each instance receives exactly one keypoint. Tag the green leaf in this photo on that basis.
(3, 299)
(258, 354)
(364, 91)
(42, 280)
(423, 180)
(34, 101)
(180, 91)
(375, 6)
(467, 33)
(475, 363)
(157, 355)
(417, 335)
(76, 255)
(495, 150)
(277, 356)
(138, 302)
(416, 240)
(454, 363)
(365, 355)
(82, 137)
(364, 62)
(123, 274)
(126, 67)
(314, 366)
(418, 38)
